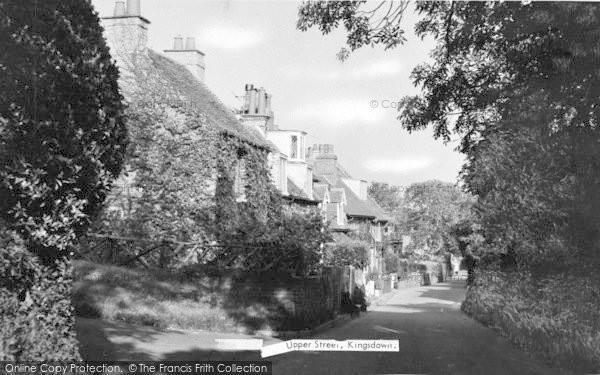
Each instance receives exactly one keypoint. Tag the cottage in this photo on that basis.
(191, 162)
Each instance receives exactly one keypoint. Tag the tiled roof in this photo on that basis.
(332, 218)
(295, 192)
(340, 237)
(356, 206)
(381, 214)
(336, 195)
(178, 83)
(319, 192)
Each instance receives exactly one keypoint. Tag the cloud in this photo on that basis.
(227, 37)
(380, 68)
(400, 165)
(377, 69)
(338, 112)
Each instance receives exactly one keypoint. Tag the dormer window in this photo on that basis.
(297, 147)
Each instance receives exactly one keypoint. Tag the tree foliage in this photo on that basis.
(366, 23)
(62, 142)
(389, 197)
(347, 253)
(62, 132)
(517, 83)
(36, 317)
(432, 208)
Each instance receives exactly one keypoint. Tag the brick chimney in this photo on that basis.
(189, 56)
(359, 187)
(324, 160)
(256, 110)
(126, 32)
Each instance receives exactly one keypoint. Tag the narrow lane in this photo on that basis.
(435, 338)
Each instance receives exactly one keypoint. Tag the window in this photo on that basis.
(340, 214)
(294, 147)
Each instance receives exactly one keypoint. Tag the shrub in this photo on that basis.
(292, 245)
(556, 317)
(393, 263)
(62, 141)
(358, 298)
(63, 136)
(347, 253)
(36, 318)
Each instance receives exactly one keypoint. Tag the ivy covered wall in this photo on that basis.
(179, 184)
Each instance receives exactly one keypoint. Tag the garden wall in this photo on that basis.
(293, 303)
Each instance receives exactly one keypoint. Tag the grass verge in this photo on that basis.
(556, 317)
(155, 299)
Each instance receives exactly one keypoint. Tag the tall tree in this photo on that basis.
(510, 79)
(62, 141)
(389, 197)
(62, 131)
(432, 209)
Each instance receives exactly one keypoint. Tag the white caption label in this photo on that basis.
(330, 346)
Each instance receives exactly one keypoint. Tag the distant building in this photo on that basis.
(350, 210)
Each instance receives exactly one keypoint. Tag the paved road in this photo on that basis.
(435, 338)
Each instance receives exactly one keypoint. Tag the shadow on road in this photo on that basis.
(453, 291)
(95, 345)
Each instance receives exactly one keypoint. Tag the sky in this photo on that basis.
(257, 42)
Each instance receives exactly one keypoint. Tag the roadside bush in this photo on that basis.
(63, 134)
(35, 308)
(556, 317)
(358, 298)
(393, 263)
(347, 253)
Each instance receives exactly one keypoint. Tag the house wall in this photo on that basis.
(298, 172)
(278, 169)
(376, 232)
(282, 139)
(361, 226)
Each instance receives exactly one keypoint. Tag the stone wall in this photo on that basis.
(284, 304)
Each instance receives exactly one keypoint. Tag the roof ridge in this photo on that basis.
(196, 91)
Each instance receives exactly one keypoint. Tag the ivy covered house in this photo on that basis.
(193, 173)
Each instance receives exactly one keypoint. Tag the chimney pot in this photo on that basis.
(178, 43)
(252, 102)
(268, 104)
(119, 9)
(261, 101)
(190, 44)
(133, 7)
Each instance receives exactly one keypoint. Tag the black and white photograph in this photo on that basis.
(370, 187)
